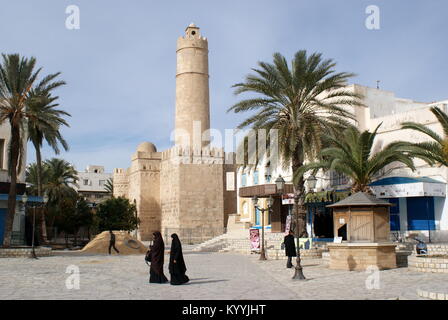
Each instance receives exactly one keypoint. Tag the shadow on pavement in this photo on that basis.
(201, 282)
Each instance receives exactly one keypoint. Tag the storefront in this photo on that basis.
(418, 203)
(319, 217)
(18, 229)
(276, 219)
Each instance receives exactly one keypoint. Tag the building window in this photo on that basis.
(267, 173)
(102, 182)
(337, 179)
(86, 182)
(243, 179)
(256, 177)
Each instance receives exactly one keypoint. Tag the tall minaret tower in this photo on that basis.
(192, 92)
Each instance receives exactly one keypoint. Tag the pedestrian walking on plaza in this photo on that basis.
(112, 242)
(157, 255)
(177, 264)
(290, 248)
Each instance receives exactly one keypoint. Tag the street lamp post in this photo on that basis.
(298, 201)
(263, 210)
(33, 205)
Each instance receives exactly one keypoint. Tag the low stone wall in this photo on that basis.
(428, 264)
(277, 254)
(432, 295)
(437, 248)
(24, 252)
(359, 256)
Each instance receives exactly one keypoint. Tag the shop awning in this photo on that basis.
(263, 190)
(4, 197)
(402, 187)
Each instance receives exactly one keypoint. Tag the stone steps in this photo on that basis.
(240, 243)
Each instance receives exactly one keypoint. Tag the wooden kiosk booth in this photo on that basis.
(363, 223)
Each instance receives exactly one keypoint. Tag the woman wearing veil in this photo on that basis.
(177, 264)
(157, 254)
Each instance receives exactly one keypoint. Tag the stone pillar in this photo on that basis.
(192, 89)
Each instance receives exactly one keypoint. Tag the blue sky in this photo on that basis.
(120, 65)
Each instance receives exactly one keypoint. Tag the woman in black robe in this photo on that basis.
(177, 264)
(290, 248)
(157, 254)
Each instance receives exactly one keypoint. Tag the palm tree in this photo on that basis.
(44, 121)
(17, 76)
(60, 178)
(352, 154)
(31, 178)
(303, 101)
(437, 149)
(109, 186)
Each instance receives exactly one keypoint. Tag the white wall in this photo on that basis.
(93, 178)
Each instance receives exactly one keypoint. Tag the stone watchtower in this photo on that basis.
(192, 89)
(182, 189)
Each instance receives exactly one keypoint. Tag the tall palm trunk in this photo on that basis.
(299, 204)
(43, 223)
(14, 152)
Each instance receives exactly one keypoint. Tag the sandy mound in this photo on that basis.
(124, 242)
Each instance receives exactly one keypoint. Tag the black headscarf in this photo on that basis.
(176, 254)
(157, 253)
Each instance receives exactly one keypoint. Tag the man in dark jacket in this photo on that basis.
(112, 242)
(290, 248)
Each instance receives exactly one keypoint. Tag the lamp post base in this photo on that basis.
(298, 274)
(263, 255)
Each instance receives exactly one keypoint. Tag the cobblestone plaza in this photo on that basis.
(213, 276)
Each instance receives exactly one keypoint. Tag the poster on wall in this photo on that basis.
(254, 239)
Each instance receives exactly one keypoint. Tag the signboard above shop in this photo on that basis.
(288, 198)
(403, 187)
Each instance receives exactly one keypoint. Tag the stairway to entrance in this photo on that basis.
(237, 240)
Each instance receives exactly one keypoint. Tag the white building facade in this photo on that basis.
(91, 184)
(18, 230)
(419, 197)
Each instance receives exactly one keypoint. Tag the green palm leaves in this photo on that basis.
(353, 154)
(58, 178)
(303, 101)
(109, 186)
(435, 150)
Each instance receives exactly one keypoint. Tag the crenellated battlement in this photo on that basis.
(186, 155)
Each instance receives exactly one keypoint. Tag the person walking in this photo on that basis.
(157, 257)
(112, 242)
(177, 266)
(290, 248)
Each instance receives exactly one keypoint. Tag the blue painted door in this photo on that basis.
(2, 224)
(420, 213)
(394, 214)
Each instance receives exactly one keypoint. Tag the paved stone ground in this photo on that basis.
(324, 283)
(213, 276)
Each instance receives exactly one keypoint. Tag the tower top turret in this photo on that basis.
(193, 32)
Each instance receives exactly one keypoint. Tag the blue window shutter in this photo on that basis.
(256, 177)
